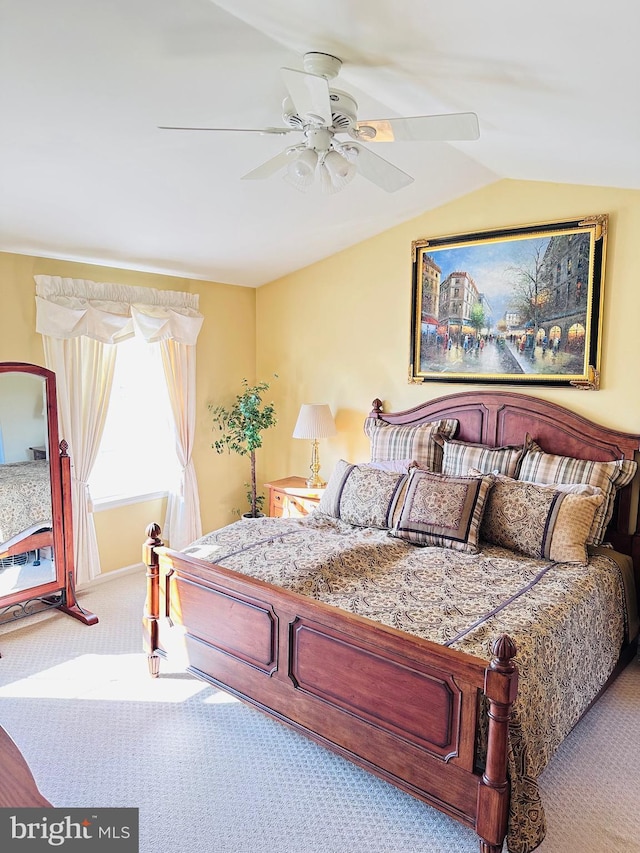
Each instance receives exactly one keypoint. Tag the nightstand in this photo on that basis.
(291, 497)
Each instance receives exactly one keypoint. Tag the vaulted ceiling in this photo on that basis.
(85, 173)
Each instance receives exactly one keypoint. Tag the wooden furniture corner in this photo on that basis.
(18, 788)
(291, 497)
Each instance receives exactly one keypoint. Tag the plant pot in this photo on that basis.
(249, 516)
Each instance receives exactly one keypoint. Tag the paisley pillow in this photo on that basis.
(443, 511)
(363, 495)
(544, 522)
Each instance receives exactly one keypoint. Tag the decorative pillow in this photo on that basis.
(577, 488)
(542, 521)
(459, 456)
(443, 511)
(363, 495)
(397, 465)
(571, 488)
(540, 467)
(391, 441)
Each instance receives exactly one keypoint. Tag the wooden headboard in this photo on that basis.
(498, 418)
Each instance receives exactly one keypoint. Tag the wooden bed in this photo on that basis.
(319, 668)
(27, 526)
(29, 541)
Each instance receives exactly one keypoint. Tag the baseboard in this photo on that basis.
(110, 576)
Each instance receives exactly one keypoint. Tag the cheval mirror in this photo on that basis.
(36, 524)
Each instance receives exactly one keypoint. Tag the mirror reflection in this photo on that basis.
(26, 556)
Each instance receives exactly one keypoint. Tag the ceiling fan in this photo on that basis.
(323, 114)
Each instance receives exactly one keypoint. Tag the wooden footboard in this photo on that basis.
(401, 707)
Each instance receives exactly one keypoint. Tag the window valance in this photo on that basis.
(70, 308)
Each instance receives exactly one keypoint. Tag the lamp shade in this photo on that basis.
(314, 421)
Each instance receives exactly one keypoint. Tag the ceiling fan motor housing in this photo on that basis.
(344, 111)
(322, 64)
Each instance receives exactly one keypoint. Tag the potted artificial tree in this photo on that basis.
(242, 426)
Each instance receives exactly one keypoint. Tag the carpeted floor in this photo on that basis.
(211, 774)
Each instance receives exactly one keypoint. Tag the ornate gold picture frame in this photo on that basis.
(513, 306)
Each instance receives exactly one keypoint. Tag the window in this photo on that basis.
(137, 452)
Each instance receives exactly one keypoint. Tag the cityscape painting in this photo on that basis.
(518, 305)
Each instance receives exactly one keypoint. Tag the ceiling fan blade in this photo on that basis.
(278, 131)
(440, 128)
(310, 95)
(269, 168)
(379, 171)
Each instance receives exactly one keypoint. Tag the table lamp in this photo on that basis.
(315, 421)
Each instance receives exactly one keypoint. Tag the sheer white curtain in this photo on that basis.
(81, 323)
(182, 523)
(84, 376)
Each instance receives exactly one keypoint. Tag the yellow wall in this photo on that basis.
(120, 532)
(225, 353)
(337, 332)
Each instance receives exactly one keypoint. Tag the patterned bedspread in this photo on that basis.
(25, 498)
(568, 621)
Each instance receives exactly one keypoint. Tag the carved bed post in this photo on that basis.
(500, 687)
(152, 603)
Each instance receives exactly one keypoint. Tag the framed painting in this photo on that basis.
(513, 306)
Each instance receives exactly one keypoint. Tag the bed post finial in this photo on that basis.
(504, 650)
(500, 688)
(376, 408)
(153, 532)
(152, 603)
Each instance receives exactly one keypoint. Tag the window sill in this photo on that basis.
(101, 504)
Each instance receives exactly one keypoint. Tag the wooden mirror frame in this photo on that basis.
(60, 591)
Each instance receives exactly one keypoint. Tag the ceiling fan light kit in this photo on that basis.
(320, 113)
(321, 156)
(336, 171)
(304, 164)
(302, 168)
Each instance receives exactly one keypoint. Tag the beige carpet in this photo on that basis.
(210, 774)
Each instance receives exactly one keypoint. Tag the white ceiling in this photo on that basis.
(86, 175)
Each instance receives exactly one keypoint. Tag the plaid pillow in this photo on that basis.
(442, 511)
(390, 441)
(540, 467)
(460, 456)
